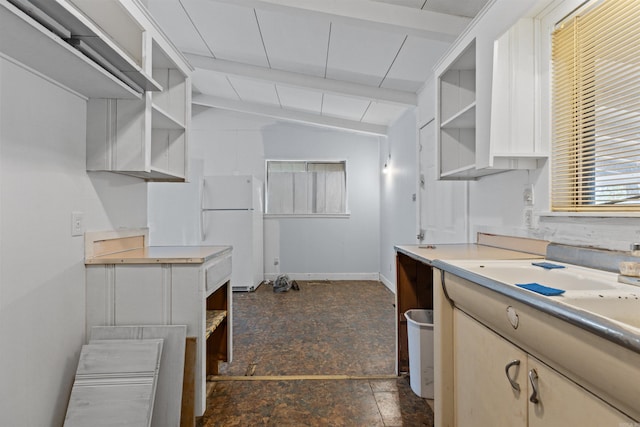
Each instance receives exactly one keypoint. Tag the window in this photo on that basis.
(306, 187)
(596, 108)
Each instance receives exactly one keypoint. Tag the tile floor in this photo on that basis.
(291, 348)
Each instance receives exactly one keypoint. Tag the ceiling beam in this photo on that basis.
(304, 81)
(289, 115)
(372, 14)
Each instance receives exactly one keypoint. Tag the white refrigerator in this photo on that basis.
(232, 215)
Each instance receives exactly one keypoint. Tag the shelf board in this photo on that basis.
(501, 163)
(29, 43)
(160, 119)
(462, 172)
(91, 40)
(463, 119)
(155, 174)
(83, 29)
(518, 160)
(517, 155)
(214, 319)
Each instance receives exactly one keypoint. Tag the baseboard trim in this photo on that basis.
(326, 276)
(212, 378)
(388, 283)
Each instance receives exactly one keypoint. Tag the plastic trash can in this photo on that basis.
(420, 336)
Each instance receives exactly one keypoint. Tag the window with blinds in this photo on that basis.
(596, 108)
(306, 187)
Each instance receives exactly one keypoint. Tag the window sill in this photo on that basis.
(287, 216)
(591, 214)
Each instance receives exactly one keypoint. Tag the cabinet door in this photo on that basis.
(142, 295)
(483, 393)
(563, 403)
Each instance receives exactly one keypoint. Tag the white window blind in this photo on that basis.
(306, 187)
(596, 108)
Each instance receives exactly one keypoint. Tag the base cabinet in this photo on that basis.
(482, 393)
(564, 403)
(194, 295)
(413, 291)
(498, 384)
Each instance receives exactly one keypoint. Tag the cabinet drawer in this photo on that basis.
(218, 273)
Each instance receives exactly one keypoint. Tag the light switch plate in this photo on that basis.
(77, 223)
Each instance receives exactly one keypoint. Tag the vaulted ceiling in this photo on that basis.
(350, 64)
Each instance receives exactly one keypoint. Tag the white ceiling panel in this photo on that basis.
(300, 99)
(414, 64)
(230, 31)
(468, 8)
(357, 69)
(382, 114)
(343, 107)
(255, 91)
(212, 83)
(175, 22)
(361, 55)
(294, 44)
(407, 3)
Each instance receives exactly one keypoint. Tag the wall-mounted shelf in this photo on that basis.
(162, 119)
(147, 138)
(111, 33)
(457, 116)
(28, 42)
(463, 119)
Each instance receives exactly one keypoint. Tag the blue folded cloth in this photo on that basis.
(547, 265)
(538, 288)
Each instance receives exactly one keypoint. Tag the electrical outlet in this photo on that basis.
(529, 220)
(527, 195)
(276, 261)
(77, 223)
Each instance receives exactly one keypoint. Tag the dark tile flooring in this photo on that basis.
(321, 356)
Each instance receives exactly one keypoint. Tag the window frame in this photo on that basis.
(345, 214)
(555, 12)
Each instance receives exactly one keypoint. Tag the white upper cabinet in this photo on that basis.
(486, 97)
(39, 41)
(146, 137)
(113, 53)
(514, 142)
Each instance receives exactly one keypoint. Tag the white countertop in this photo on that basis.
(430, 253)
(163, 255)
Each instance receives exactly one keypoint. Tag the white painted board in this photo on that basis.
(115, 384)
(168, 400)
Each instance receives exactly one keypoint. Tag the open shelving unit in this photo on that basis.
(145, 138)
(25, 40)
(457, 116)
(216, 329)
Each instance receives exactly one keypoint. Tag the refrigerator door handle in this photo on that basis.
(203, 235)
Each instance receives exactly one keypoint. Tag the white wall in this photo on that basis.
(333, 248)
(398, 186)
(496, 206)
(42, 280)
(232, 143)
